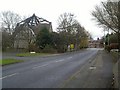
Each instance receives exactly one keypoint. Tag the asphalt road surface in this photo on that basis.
(55, 71)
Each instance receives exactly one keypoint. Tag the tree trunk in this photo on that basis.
(119, 42)
(119, 26)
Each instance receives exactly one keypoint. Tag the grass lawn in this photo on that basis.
(9, 61)
(32, 54)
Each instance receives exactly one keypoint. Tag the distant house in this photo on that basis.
(95, 43)
(26, 31)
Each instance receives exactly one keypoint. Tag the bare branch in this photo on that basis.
(107, 15)
(9, 20)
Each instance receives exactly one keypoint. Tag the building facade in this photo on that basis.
(95, 43)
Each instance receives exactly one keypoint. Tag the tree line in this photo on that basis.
(69, 32)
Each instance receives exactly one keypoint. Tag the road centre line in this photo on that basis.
(9, 75)
(39, 66)
(69, 57)
(63, 59)
(60, 60)
(50, 63)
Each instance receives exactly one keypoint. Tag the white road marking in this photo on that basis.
(63, 59)
(60, 60)
(69, 57)
(39, 66)
(92, 67)
(9, 75)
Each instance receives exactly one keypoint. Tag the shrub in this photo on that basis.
(33, 48)
(49, 49)
(107, 48)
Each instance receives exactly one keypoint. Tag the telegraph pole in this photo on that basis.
(104, 38)
(108, 38)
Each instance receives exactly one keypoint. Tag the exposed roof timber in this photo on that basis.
(30, 23)
(34, 20)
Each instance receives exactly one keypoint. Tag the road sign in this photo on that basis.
(72, 46)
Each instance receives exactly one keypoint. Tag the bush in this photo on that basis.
(33, 48)
(107, 48)
(49, 49)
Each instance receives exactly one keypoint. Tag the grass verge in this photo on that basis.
(9, 61)
(32, 54)
(115, 55)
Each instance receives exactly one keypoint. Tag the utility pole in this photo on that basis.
(104, 38)
(108, 38)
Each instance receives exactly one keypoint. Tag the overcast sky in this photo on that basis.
(51, 10)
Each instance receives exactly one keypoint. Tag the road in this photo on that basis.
(55, 71)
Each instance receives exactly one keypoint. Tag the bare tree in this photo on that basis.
(9, 20)
(8, 23)
(67, 22)
(71, 29)
(108, 16)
